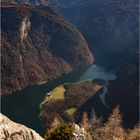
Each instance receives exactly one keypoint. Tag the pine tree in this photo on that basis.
(112, 129)
(134, 134)
(85, 122)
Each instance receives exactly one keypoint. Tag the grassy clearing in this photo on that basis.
(71, 111)
(57, 94)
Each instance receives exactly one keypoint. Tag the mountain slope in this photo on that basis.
(110, 27)
(38, 45)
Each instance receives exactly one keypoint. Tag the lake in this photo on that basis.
(23, 106)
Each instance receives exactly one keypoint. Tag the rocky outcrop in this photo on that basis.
(80, 133)
(10, 130)
(38, 45)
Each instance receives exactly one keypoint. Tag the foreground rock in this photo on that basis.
(10, 130)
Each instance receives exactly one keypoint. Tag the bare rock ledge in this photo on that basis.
(10, 130)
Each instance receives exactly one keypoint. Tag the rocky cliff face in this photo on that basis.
(110, 27)
(12, 131)
(37, 45)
